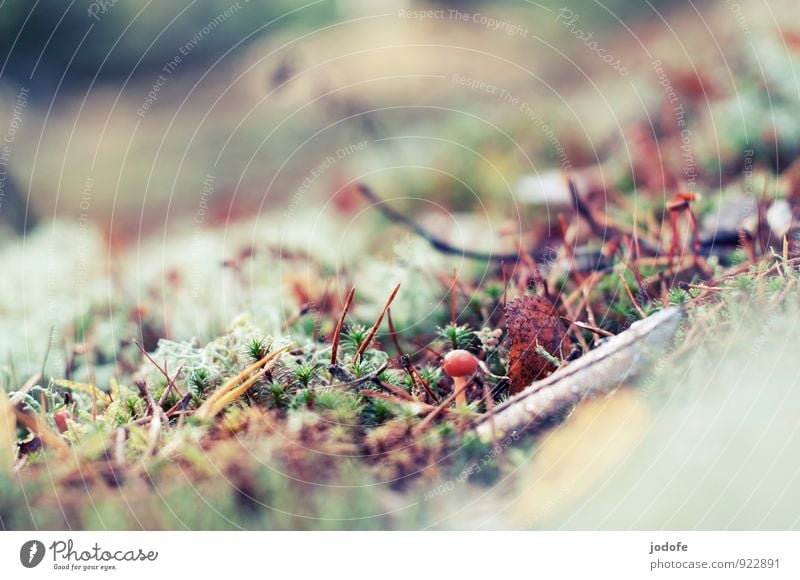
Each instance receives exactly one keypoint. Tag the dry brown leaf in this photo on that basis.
(549, 401)
(532, 320)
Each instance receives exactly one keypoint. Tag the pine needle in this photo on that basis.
(234, 387)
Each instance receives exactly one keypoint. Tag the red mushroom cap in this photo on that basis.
(61, 420)
(460, 363)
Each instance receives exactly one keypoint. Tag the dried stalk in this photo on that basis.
(237, 385)
(374, 330)
(338, 330)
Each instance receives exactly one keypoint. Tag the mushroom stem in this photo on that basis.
(460, 388)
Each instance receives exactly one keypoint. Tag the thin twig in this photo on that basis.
(435, 241)
(418, 379)
(163, 397)
(154, 408)
(440, 409)
(162, 370)
(604, 232)
(372, 377)
(589, 327)
(374, 329)
(630, 295)
(396, 391)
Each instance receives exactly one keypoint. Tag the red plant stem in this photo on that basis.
(373, 331)
(393, 332)
(453, 298)
(338, 330)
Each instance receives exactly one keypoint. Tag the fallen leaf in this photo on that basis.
(549, 401)
(531, 321)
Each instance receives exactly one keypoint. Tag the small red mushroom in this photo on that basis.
(61, 420)
(460, 364)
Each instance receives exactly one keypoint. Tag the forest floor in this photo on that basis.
(282, 362)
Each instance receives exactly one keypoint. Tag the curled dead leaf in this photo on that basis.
(531, 321)
(550, 400)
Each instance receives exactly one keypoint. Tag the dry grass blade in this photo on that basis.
(29, 384)
(435, 412)
(599, 371)
(8, 432)
(153, 435)
(235, 386)
(376, 326)
(235, 393)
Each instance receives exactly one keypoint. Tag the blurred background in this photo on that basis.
(140, 101)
